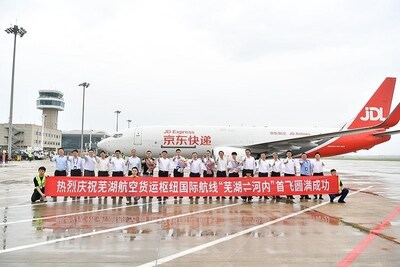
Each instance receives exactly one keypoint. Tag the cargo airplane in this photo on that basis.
(369, 128)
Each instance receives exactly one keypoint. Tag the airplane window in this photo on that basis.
(117, 135)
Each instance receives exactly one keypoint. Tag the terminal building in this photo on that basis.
(72, 139)
(29, 136)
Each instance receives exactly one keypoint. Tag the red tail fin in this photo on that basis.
(377, 107)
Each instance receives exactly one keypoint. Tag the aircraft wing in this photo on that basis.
(309, 140)
(387, 133)
(315, 140)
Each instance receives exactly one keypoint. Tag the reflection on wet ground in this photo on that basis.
(362, 232)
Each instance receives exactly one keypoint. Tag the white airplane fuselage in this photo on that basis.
(366, 130)
(199, 138)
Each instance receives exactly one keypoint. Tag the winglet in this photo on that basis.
(392, 119)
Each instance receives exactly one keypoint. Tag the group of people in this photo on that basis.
(206, 166)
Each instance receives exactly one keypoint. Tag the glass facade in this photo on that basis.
(50, 95)
(73, 141)
(50, 99)
(53, 103)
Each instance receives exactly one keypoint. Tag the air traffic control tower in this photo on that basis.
(50, 102)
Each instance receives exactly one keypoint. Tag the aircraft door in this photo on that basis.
(138, 136)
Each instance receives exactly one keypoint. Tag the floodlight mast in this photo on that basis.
(21, 32)
(84, 85)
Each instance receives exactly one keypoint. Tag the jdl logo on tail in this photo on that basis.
(373, 114)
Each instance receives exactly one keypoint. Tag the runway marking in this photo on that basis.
(368, 239)
(112, 229)
(229, 237)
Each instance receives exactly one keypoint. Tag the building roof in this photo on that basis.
(78, 132)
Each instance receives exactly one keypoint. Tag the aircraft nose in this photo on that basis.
(103, 144)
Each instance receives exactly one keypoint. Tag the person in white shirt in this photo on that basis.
(275, 166)
(103, 165)
(263, 168)
(289, 167)
(133, 161)
(249, 164)
(89, 164)
(62, 165)
(234, 167)
(222, 165)
(249, 167)
(318, 169)
(76, 164)
(117, 164)
(195, 167)
(164, 165)
(179, 164)
(209, 166)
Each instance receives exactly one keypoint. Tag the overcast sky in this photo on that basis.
(275, 63)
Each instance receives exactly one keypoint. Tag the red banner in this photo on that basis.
(184, 186)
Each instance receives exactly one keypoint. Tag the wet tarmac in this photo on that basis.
(365, 231)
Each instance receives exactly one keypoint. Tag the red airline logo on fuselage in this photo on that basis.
(183, 138)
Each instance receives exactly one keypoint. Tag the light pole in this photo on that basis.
(16, 31)
(90, 139)
(43, 117)
(84, 85)
(118, 112)
(129, 123)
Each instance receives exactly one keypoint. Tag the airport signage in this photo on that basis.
(190, 187)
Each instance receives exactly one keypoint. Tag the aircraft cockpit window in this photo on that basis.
(117, 135)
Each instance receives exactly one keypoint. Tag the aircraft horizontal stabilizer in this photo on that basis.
(392, 119)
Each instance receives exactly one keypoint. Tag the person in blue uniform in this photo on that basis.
(305, 170)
